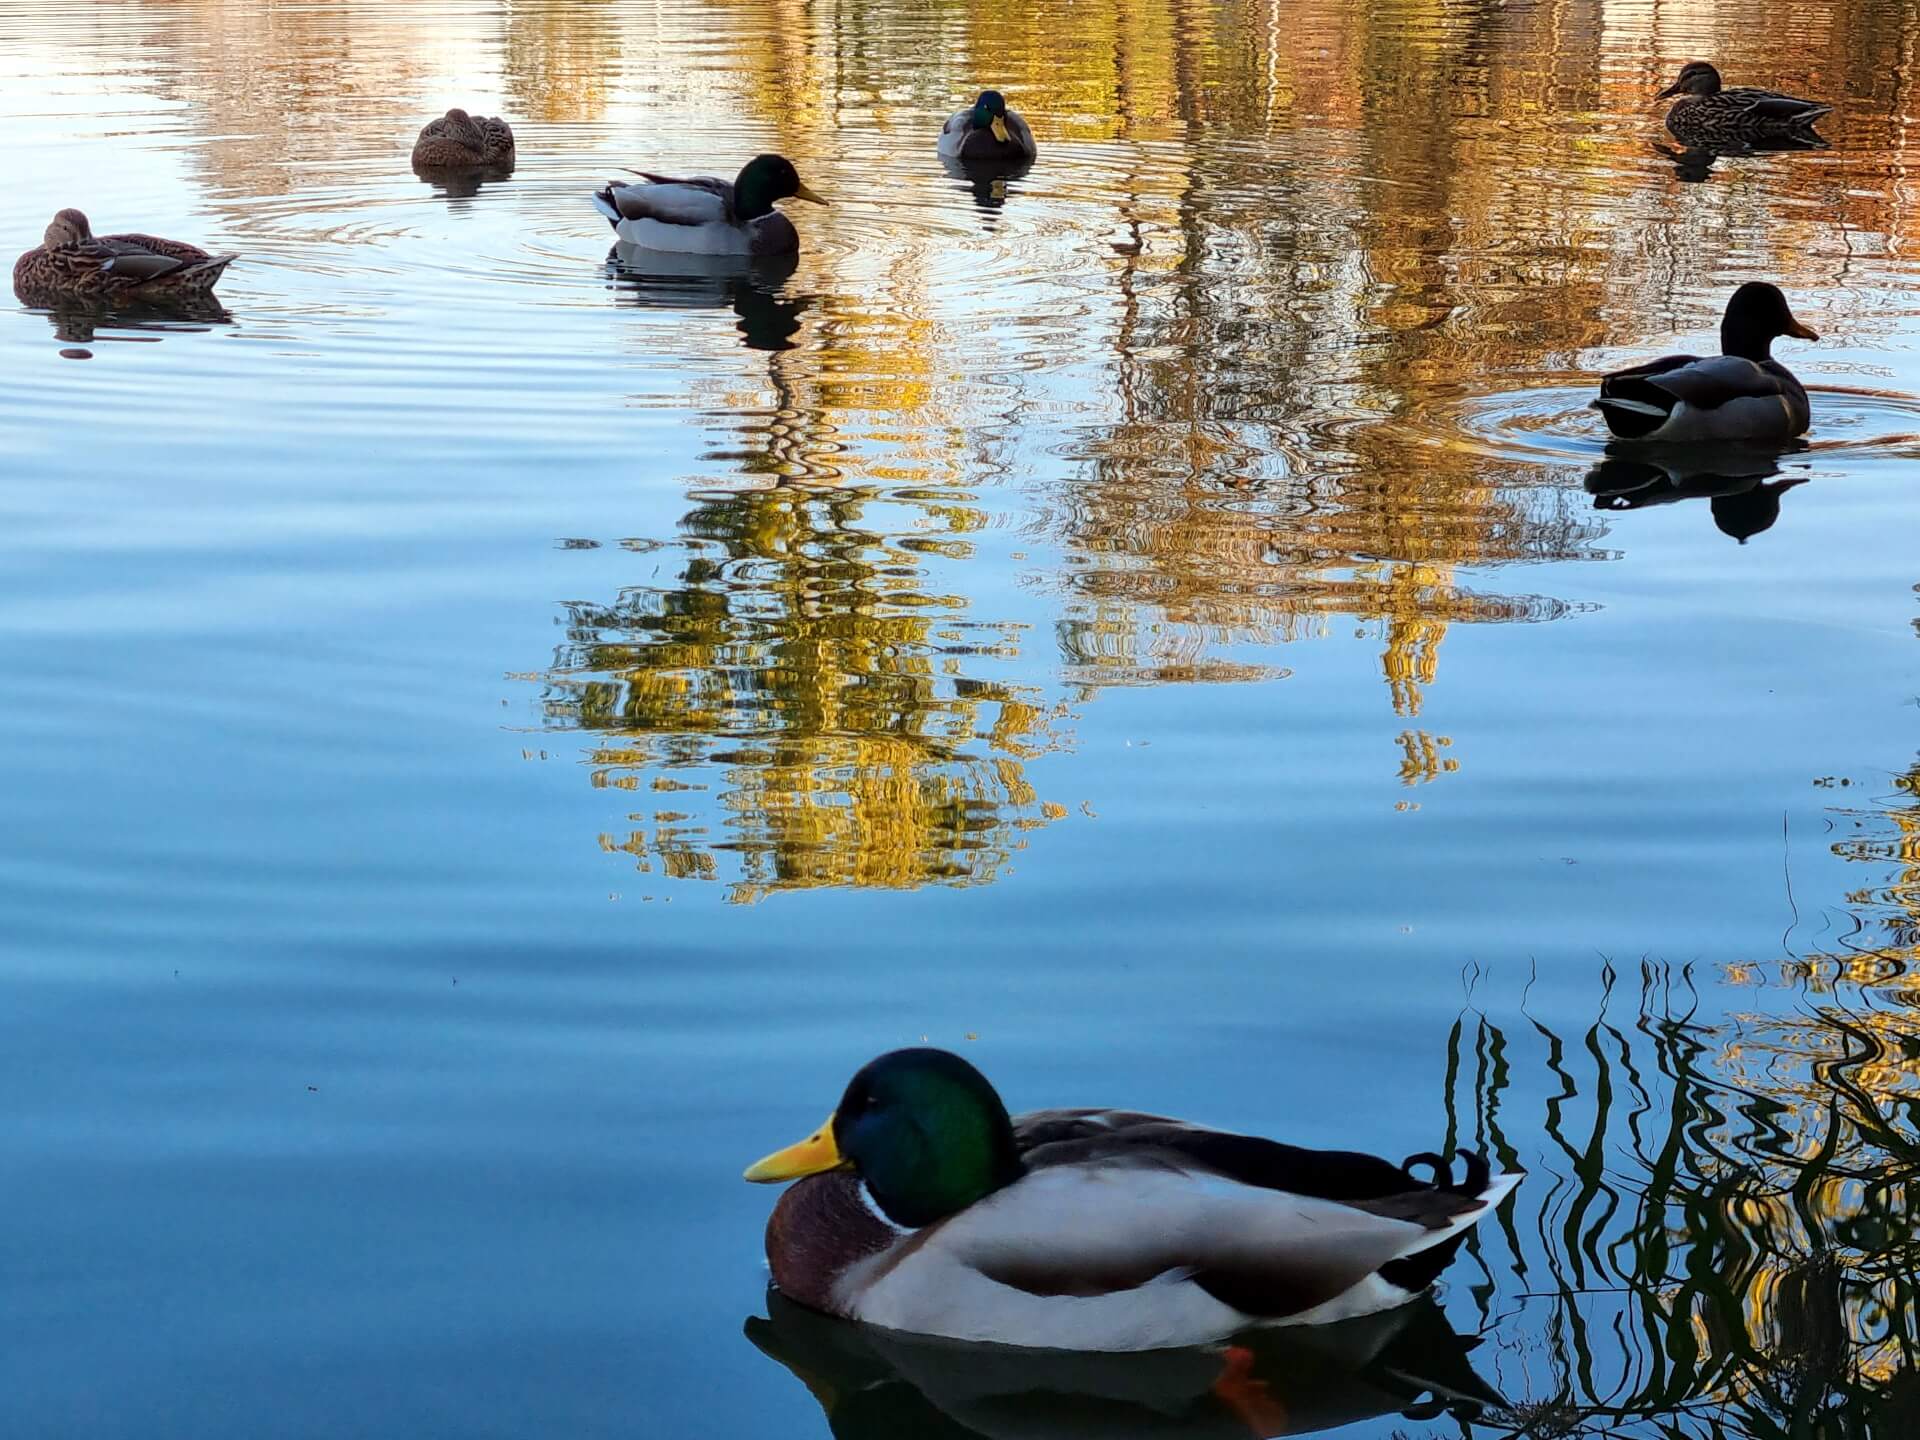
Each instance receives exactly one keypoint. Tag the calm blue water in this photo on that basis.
(496, 733)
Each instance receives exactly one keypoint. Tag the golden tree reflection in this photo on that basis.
(800, 668)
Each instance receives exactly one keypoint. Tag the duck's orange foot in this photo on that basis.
(1248, 1396)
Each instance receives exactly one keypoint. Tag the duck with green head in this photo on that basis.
(988, 131)
(704, 215)
(922, 1206)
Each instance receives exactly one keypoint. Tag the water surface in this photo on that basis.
(499, 727)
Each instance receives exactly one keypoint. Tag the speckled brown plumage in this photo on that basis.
(1712, 116)
(74, 263)
(458, 140)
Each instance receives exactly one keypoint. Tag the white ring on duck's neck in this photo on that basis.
(873, 1208)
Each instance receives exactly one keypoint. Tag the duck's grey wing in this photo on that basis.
(953, 134)
(153, 245)
(1649, 368)
(1709, 383)
(701, 200)
(119, 257)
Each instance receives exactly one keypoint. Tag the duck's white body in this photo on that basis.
(693, 216)
(985, 1274)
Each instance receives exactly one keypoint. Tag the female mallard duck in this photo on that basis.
(1705, 113)
(922, 1207)
(1742, 393)
(706, 216)
(459, 141)
(987, 131)
(74, 263)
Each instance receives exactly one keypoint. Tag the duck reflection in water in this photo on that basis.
(462, 182)
(1736, 483)
(989, 181)
(667, 280)
(81, 322)
(1692, 163)
(878, 1384)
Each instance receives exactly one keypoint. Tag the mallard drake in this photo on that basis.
(1706, 113)
(459, 141)
(75, 263)
(702, 215)
(987, 130)
(922, 1207)
(1742, 393)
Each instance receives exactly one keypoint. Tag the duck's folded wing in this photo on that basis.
(154, 245)
(1100, 1229)
(1771, 105)
(1070, 1137)
(132, 262)
(1020, 131)
(701, 200)
(1705, 384)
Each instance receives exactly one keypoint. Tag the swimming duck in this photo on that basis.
(922, 1207)
(1706, 113)
(75, 263)
(1743, 393)
(987, 131)
(706, 216)
(459, 141)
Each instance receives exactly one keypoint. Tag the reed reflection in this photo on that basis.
(1726, 1246)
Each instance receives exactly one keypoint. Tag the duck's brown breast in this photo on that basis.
(821, 1227)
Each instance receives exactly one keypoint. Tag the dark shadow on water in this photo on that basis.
(1693, 163)
(988, 181)
(1735, 482)
(877, 1383)
(751, 288)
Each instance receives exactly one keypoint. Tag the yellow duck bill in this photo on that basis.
(811, 1156)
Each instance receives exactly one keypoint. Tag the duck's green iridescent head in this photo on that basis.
(763, 180)
(922, 1128)
(990, 113)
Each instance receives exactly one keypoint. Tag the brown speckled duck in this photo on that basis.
(74, 263)
(458, 141)
(1707, 113)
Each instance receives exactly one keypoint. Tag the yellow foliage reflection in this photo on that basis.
(800, 669)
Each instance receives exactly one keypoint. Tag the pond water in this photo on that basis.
(498, 730)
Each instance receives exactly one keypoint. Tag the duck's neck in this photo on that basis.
(1753, 345)
(750, 199)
